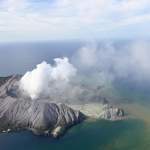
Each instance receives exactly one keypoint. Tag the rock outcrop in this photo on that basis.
(112, 113)
(100, 111)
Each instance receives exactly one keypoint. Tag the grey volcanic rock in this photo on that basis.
(100, 111)
(112, 113)
(40, 116)
(9, 86)
(19, 112)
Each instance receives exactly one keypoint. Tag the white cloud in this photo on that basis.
(13, 5)
(132, 6)
(68, 19)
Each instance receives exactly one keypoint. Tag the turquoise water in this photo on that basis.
(93, 135)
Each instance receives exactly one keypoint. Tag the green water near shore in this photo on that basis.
(132, 134)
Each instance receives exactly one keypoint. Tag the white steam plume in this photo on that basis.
(99, 66)
(128, 61)
(40, 81)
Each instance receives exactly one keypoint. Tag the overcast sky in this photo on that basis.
(73, 19)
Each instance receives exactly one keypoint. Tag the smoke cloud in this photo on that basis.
(127, 61)
(38, 82)
(90, 74)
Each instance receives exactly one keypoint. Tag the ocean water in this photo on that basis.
(20, 57)
(130, 134)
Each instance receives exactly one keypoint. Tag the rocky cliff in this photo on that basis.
(40, 116)
(18, 112)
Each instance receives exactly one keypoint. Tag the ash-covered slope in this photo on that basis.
(40, 116)
(18, 111)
